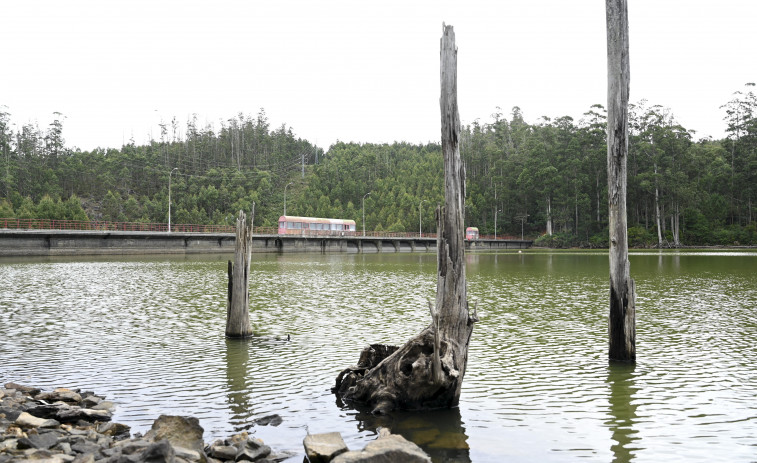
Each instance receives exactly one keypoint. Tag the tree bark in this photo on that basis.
(657, 208)
(237, 312)
(622, 320)
(428, 371)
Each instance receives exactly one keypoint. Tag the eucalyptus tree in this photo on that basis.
(741, 120)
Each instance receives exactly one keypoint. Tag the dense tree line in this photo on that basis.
(545, 179)
(552, 177)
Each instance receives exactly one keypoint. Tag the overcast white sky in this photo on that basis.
(365, 71)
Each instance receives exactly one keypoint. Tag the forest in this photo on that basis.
(544, 180)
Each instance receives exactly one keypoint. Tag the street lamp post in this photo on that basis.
(169, 198)
(285, 197)
(495, 223)
(522, 218)
(364, 211)
(420, 219)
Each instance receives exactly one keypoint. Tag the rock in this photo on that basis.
(129, 447)
(44, 411)
(27, 420)
(279, 457)
(38, 441)
(61, 394)
(84, 458)
(14, 431)
(248, 454)
(270, 420)
(86, 447)
(10, 413)
(71, 414)
(104, 405)
(39, 455)
(8, 444)
(159, 452)
(223, 452)
(64, 447)
(238, 440)
(26, 389)
(254, 442)
(116, 430)
(322, 448)
(386, 448)
(187, 454)
(90, 401)
(182, 431)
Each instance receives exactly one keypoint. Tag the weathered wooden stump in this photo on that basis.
(427, 372)
(622, 321)
(238, 299)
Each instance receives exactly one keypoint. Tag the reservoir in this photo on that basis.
(148, 333)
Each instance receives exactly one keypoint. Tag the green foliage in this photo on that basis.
(557, 241)
(6, 209)
(639, 237)
(549, 176)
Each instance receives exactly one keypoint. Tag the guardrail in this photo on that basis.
(97, 225)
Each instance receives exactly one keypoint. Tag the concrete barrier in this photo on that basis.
(78, 243)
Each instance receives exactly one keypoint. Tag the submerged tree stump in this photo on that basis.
(238, 298)
(427, 372)
(622, 322)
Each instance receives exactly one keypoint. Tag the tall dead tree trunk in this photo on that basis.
(622, 323)
(238, 303)
(428, 371)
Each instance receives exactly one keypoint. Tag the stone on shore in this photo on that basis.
(322, 448)
(386, 448)
(26, 420)
(182, 431)
(159, 452)
(38, 441)
(77, 428)
(60, 394)
(240, 447)
(25, 389)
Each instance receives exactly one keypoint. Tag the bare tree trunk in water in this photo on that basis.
(622, 321)
(428, 371)
(238, 308)
(657, 209)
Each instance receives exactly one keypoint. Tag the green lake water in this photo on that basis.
(148, 333)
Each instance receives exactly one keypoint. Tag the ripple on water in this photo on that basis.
(149, 334)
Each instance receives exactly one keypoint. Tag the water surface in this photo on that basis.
(148, 333)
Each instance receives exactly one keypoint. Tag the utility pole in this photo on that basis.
(364, 211)
(420, 218)
(169, 198)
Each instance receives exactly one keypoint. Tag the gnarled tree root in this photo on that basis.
(388, 378)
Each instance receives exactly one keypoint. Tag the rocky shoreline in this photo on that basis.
(74, 426)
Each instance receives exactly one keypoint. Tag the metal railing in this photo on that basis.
(99, 225)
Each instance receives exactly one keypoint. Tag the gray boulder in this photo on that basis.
(159, 452)
(387, 448)
(38, 441)
(322, 448)
(181, 431)
(26, 420)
